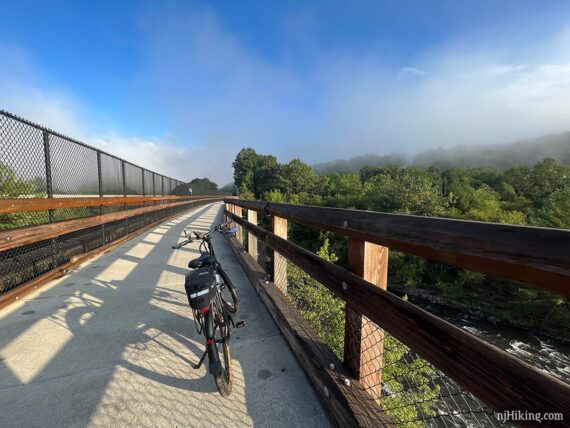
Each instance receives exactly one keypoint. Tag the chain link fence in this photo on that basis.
(412, 391)
(36, 162)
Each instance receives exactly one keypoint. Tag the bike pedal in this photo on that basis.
(240, 324)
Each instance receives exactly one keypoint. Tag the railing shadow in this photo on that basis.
(111, 356)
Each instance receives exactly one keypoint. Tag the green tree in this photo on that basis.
(486, 206)
(412, 191)
(11, 186)
(555, 211)
(244, 166)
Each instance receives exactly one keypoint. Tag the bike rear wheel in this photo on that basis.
(224, 382)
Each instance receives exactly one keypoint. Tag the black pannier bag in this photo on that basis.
(200, 287)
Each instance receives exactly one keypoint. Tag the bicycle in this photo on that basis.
(213, 299)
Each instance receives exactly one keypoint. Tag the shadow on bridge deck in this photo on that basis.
(112, 343)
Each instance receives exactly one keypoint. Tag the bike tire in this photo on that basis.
(232, 306)
(224, 382)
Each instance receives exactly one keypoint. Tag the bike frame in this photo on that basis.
(216, 308)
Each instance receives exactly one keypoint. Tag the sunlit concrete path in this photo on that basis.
(112, 344)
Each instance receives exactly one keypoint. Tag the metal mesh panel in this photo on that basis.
(111, 175)
(22, 166)
(22, 169)
(320, 307)
(133, 179)
(74, 168)
(148, 183)
(73, 213)
(157, 184)
(264, 256)
(19, 265)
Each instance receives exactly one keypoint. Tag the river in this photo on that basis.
(547, 354)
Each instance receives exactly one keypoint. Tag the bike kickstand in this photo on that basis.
(197, 366)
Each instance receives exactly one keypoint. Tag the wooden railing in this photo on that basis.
(12, 238)
(11, 206)
(540, 257)
(20, 246)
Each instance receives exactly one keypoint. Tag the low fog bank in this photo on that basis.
(500, 156)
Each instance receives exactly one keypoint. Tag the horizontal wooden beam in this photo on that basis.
(13, 238)
(249, 205)
(533, 255)
(500, 380)
(11, 206)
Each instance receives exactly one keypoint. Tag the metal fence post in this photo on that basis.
(363, 339)
(49, 191)
(100, 173)
(125, 194)
(124, 176)
(49, 184)
(100, 177)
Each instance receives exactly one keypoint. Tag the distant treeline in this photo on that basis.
(203, 186)
(500, 156)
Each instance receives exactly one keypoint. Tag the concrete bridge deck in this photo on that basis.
(112, 344)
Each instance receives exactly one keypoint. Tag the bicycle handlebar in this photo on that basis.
(178, 246)
(190, 240)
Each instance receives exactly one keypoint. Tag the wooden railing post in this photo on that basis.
(251, 238)
(229, 209)
(239, 234)
(363, 339)
(280, 262)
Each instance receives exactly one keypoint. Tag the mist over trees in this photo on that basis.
(500, 156)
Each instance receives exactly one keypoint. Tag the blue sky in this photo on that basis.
(180, 87)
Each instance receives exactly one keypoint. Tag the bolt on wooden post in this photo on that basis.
(251, 238)
(363, 339)
(280, 262)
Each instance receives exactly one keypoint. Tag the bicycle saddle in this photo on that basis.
(203, 260)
